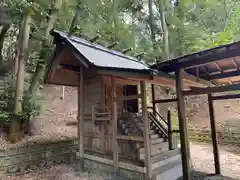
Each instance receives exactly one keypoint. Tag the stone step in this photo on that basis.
(157, 141)
(166, 155)
(155, 149)
(168, 171)
(166, 161)
(154, 136)
(152, 132)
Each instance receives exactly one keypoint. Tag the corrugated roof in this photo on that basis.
(101, 56)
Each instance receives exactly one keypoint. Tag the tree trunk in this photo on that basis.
(151, 23)
(41, 65)
(115, 20)
(133, 33)
(165, 30)
(2, 37)
(75, 20)
(18, 49)
(21, 65)
(181, 16)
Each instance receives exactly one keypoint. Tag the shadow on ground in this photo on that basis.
(197, 175)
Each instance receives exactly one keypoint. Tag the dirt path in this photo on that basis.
(202, 159)
(58, 172)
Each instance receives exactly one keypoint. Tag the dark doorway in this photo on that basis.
(131, 105)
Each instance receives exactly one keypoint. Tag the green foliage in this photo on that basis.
(193, 25)
(5, 117)
(31, 107)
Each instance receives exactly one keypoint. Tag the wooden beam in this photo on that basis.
(224, 75)
(153, 99)
(214, 136)
(147, 143)
(95, 135)
(170, 137)
(102, 129)
(114, 125)
(126, 50)
(228, 96)
(140, 55)
(129, 75)
(81, 118)
(110, 46)
(188, 78)
(81, 59)
(183, 126)
(103, 109)
(165, 100)
(220, 54)
(208, 90)
(95, 38)
(130, 97)
(235, 64)
(131, 138)
(119, 81)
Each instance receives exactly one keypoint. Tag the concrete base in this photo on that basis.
(171, 174)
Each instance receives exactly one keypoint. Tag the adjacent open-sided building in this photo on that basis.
(219, 66)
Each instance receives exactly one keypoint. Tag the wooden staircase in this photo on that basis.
(165, 162)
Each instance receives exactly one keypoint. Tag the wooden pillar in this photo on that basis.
(182, 126)
(146, 133)
(114, 125)
(214, 136)
(170, 138)
(102, 106)
(81, 118)
(153, 99)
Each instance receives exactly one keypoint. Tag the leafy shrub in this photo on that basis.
(31, 106)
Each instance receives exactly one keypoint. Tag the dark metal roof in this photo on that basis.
(101, 56)
(220, 65)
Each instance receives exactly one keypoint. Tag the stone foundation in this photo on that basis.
(19, 159)
(107, 170)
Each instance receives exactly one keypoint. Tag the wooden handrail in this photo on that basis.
(159, 115)
(158, 125)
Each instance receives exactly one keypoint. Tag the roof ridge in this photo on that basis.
(97, 46)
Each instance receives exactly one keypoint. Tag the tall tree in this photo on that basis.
(151, 23)
(161, 7)
(22, 61)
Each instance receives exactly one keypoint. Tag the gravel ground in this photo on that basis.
(202, 159)
(58, 172)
